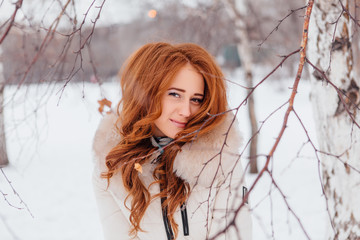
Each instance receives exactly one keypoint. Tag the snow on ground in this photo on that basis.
(52, 174)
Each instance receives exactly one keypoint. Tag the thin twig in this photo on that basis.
(15, 193)
(278, 25)
(18, 5)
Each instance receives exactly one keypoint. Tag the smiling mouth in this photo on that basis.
(178, 124)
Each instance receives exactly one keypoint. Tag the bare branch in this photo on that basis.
(15, 193)
(345, 9)
(339, 93)
(18, 5)
(280, 22)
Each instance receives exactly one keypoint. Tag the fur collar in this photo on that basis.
(204, 161)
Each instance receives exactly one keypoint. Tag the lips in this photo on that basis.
(178, 124)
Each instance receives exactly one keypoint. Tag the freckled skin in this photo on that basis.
(180, 102)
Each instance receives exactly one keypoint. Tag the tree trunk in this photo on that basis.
(237, 11)
(253, 123)
(336, 131)
(3, 153)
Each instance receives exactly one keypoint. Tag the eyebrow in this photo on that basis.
(182, 90)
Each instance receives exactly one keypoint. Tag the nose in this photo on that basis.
(185, 109)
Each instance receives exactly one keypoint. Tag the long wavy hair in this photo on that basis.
(145, 78)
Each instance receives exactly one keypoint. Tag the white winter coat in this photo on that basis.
(210, 204)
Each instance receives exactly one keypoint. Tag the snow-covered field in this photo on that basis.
(50, 151)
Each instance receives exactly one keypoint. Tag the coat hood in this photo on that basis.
(205, 161)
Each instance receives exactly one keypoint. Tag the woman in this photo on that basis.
(167, 164)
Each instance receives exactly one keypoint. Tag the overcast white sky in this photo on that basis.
(114, 11)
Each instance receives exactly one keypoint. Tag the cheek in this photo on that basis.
(195, 109)
(167, 107)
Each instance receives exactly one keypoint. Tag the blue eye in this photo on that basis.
(197, 100)
(174, 94)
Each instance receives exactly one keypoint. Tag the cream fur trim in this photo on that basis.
(204, 161)
(209, 159)
(106, 137)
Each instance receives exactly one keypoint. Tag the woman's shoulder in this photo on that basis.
(106, 136)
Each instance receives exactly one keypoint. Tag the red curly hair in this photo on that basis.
(144, 79)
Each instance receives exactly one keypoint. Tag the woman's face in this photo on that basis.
(180, 102)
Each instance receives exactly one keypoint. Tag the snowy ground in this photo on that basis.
(52, 174)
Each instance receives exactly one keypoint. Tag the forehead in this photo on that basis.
(188, 79)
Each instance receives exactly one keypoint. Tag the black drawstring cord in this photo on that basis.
(168, 230)
(184, 219)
